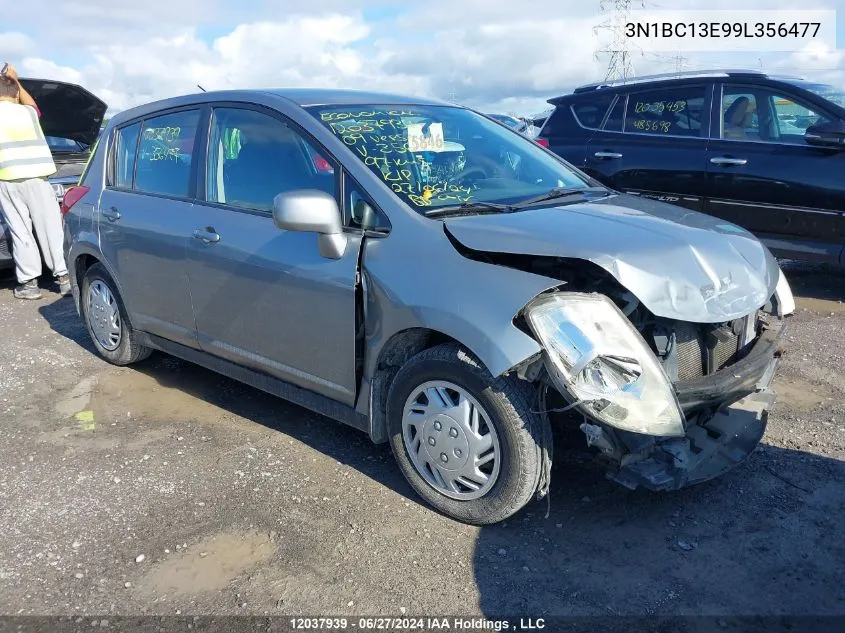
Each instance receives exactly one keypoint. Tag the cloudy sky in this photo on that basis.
(485, 53)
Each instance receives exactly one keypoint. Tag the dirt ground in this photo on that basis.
(166, 489)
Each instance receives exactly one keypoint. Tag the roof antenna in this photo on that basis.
(201, 88)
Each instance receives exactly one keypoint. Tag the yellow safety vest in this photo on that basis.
(24, 152)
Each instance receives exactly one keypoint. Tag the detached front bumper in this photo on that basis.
(708, 450)
(715, 442)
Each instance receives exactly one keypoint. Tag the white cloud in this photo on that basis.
(497, 56)
(15, 45)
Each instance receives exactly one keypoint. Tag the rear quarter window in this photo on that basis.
(126, 143)
(590, 113)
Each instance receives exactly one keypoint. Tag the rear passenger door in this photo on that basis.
(654, 144)
(144, 221)
(571, 125)
(264, 297)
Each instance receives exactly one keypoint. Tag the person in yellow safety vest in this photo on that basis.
(27, 200)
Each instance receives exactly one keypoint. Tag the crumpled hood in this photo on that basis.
(680, 264)
(67, 110)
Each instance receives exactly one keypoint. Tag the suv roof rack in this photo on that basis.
(669, 76)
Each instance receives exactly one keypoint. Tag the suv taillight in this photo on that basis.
(72, 196)
(542, 141)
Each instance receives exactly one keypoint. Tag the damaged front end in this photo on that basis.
(675, 404)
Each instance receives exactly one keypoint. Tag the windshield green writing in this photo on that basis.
(424, 173)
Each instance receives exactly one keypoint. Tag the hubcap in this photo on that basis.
(450, 440)
(103, 315)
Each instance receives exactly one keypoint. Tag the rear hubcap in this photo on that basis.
(103, 315)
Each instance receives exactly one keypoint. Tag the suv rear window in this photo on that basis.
(666, 111)
(591, 113)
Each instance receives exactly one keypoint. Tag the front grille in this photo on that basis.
(5, 245)
(723, 344)
(701, 350)
(690, 356)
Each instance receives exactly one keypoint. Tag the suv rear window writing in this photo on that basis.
(666, 111)
(164, 153)
(591, 113)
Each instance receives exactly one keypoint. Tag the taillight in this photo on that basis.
(542, 141)
(72, 196)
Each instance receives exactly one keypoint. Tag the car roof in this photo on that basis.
(302, 97)
(680, 77)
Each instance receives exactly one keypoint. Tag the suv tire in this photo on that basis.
(421, 427)
(105, 319)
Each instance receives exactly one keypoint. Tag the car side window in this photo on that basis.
(792, 118)
(616, 116)
(253, 157)
(124, 155)
(760, 114)
(359, 210)
(740, 115)
(666, 111)
(590, 113)
(164, 153)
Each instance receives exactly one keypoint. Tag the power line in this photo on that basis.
(619, 64)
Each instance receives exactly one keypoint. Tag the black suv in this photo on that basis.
(765, 152)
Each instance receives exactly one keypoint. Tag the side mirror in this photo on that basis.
(829, 134)
(312, 211)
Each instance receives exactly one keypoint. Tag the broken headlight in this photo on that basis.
(598, 358)
(786, 302)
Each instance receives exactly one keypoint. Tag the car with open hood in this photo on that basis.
(70, 119)
(430, 277)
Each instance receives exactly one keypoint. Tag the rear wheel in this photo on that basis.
(467, 443)
(105, 318)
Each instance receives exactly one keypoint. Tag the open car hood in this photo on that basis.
(680, 264)
(67, 110)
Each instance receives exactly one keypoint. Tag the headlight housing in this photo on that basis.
(596, 356)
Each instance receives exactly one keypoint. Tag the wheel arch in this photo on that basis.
(79, 262)
(395, 352)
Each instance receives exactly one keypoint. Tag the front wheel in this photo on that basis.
(467, 443)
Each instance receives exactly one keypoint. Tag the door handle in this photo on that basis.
(207, 235)
(111, 214)
(726, 161)
(607, 155)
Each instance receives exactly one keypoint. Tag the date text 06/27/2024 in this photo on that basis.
(415, 624)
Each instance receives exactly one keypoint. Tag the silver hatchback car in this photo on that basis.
(432, 278)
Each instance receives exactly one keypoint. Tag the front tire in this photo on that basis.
(467, 443)
(105, 318)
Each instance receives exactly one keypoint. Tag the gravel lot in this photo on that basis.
(165, 489)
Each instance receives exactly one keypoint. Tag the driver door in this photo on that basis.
(264, 297)
(762, 175)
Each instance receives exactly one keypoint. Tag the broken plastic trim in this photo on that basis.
(708, 450)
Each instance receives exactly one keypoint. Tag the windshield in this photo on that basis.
(825, 91)
(59, 144)
(439, 156)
